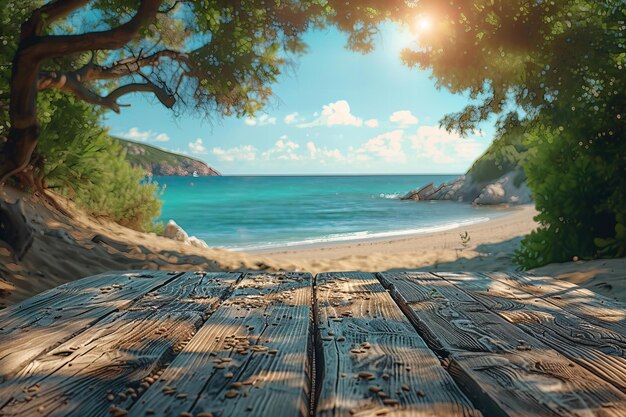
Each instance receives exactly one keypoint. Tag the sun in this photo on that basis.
(423, 24)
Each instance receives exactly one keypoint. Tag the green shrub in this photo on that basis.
(84, 164)
(579, 188)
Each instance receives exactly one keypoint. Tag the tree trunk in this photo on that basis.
(34, 48)
(24, 132)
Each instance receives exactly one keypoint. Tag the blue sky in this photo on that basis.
(336, 112)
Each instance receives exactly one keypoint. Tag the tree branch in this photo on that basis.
(127, 66)
(45, 47)
(48, 14)
(162, 94)
(72, 84)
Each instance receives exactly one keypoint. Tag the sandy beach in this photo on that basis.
(66, 249)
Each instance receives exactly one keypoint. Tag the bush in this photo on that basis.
(81, 162)
(579, 188)
(84, 164)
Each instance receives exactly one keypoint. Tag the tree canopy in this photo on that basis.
(559, 65)
(210, 56)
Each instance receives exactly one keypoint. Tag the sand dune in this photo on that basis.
(65, 250)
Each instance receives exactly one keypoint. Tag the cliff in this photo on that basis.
(497, 177)
(158, 162)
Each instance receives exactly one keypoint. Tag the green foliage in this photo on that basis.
(506, 153)
(83, 163)
(561, 64)
(580, 190)
(221, 58)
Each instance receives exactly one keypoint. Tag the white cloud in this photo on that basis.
(312, 149)
(262, 120)
(335, 114)
(404, 118)
(324, 154)
(387, 146)
(283, 149)
(292, 118)
(238, 153)
(197, 147)
(371, 123)
(162, 137)
(443, 147)
(143, 135)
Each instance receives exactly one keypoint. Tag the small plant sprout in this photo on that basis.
(465, 239)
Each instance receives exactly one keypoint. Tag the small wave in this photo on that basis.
(392, 196)
(360, 236)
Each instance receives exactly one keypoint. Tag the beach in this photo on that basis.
(491, 246)
(68, 248)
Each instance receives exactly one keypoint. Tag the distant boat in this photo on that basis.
(195, 174)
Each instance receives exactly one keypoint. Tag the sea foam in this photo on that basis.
(358, 236)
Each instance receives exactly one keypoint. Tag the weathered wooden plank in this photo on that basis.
(595, 348)
(374, 362)
(112, 362)
(504, 370)
(251, 357)
(42, 322)
(579, 301)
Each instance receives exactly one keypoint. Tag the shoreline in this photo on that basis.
(350, 239)
(69, 248)
(446, 239)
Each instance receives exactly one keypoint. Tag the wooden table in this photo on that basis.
(286, 344)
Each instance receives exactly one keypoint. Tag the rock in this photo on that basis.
(198, 243)
(491, 195)
(423, 193)
(504, 191)
(175, 232)
(15, 231)
(465, 189)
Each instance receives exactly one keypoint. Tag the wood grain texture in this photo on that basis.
(42, 322)
(374, 362)
(106, 367)
(251, 357)
(579, 301)
(599, 350)
(504, 370)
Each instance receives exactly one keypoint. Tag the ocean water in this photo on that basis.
(267, 212)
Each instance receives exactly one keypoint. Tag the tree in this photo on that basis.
(560, 64)
(235, 54)
(210, 56)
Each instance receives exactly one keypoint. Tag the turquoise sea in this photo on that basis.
(266, 212)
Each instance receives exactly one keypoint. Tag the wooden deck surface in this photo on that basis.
(290, 344)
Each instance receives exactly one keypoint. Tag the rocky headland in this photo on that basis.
(510, 189)
(158, 162)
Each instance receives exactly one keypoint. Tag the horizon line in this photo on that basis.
(336, 175)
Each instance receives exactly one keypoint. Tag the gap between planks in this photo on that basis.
(598, 349)
(250, 358)
(39, 324)
(374, 361)
(126, 349)
(492, 360)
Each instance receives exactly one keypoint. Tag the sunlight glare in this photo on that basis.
(423, 24)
